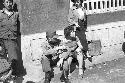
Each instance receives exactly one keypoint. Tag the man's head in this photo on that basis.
(8, 4)
(77, 2)
(52, 38)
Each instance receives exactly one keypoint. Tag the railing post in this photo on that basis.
(105, 5)
(92, 5)
(114, 8)
(118, 7)
(88, 7)
(97, 6)
(121, 4)
(101, 5)
(110, 8)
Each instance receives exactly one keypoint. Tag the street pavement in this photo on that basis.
(106, 72)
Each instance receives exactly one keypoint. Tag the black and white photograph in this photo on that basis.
(62, 41)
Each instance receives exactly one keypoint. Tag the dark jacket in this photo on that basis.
(8, 25)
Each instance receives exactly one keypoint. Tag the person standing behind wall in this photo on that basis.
(77, 17)
(9, 33)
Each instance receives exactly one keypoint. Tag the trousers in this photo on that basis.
(82, 37)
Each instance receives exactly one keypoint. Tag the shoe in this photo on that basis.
(65, 80)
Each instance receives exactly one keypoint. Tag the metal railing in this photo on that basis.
(102, 6)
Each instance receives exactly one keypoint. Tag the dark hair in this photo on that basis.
(54, 42)
(8, 0)
(74, 1)
(67, 32)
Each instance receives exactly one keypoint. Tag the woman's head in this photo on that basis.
(8, 4)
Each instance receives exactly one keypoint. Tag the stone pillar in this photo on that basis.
(41, 15)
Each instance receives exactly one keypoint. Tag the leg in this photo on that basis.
(64, 76)
(12, 49)
(80, 61)
(69, 63)
(82, 38)
(47, 69)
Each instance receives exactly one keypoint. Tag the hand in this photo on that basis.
(60, 62)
